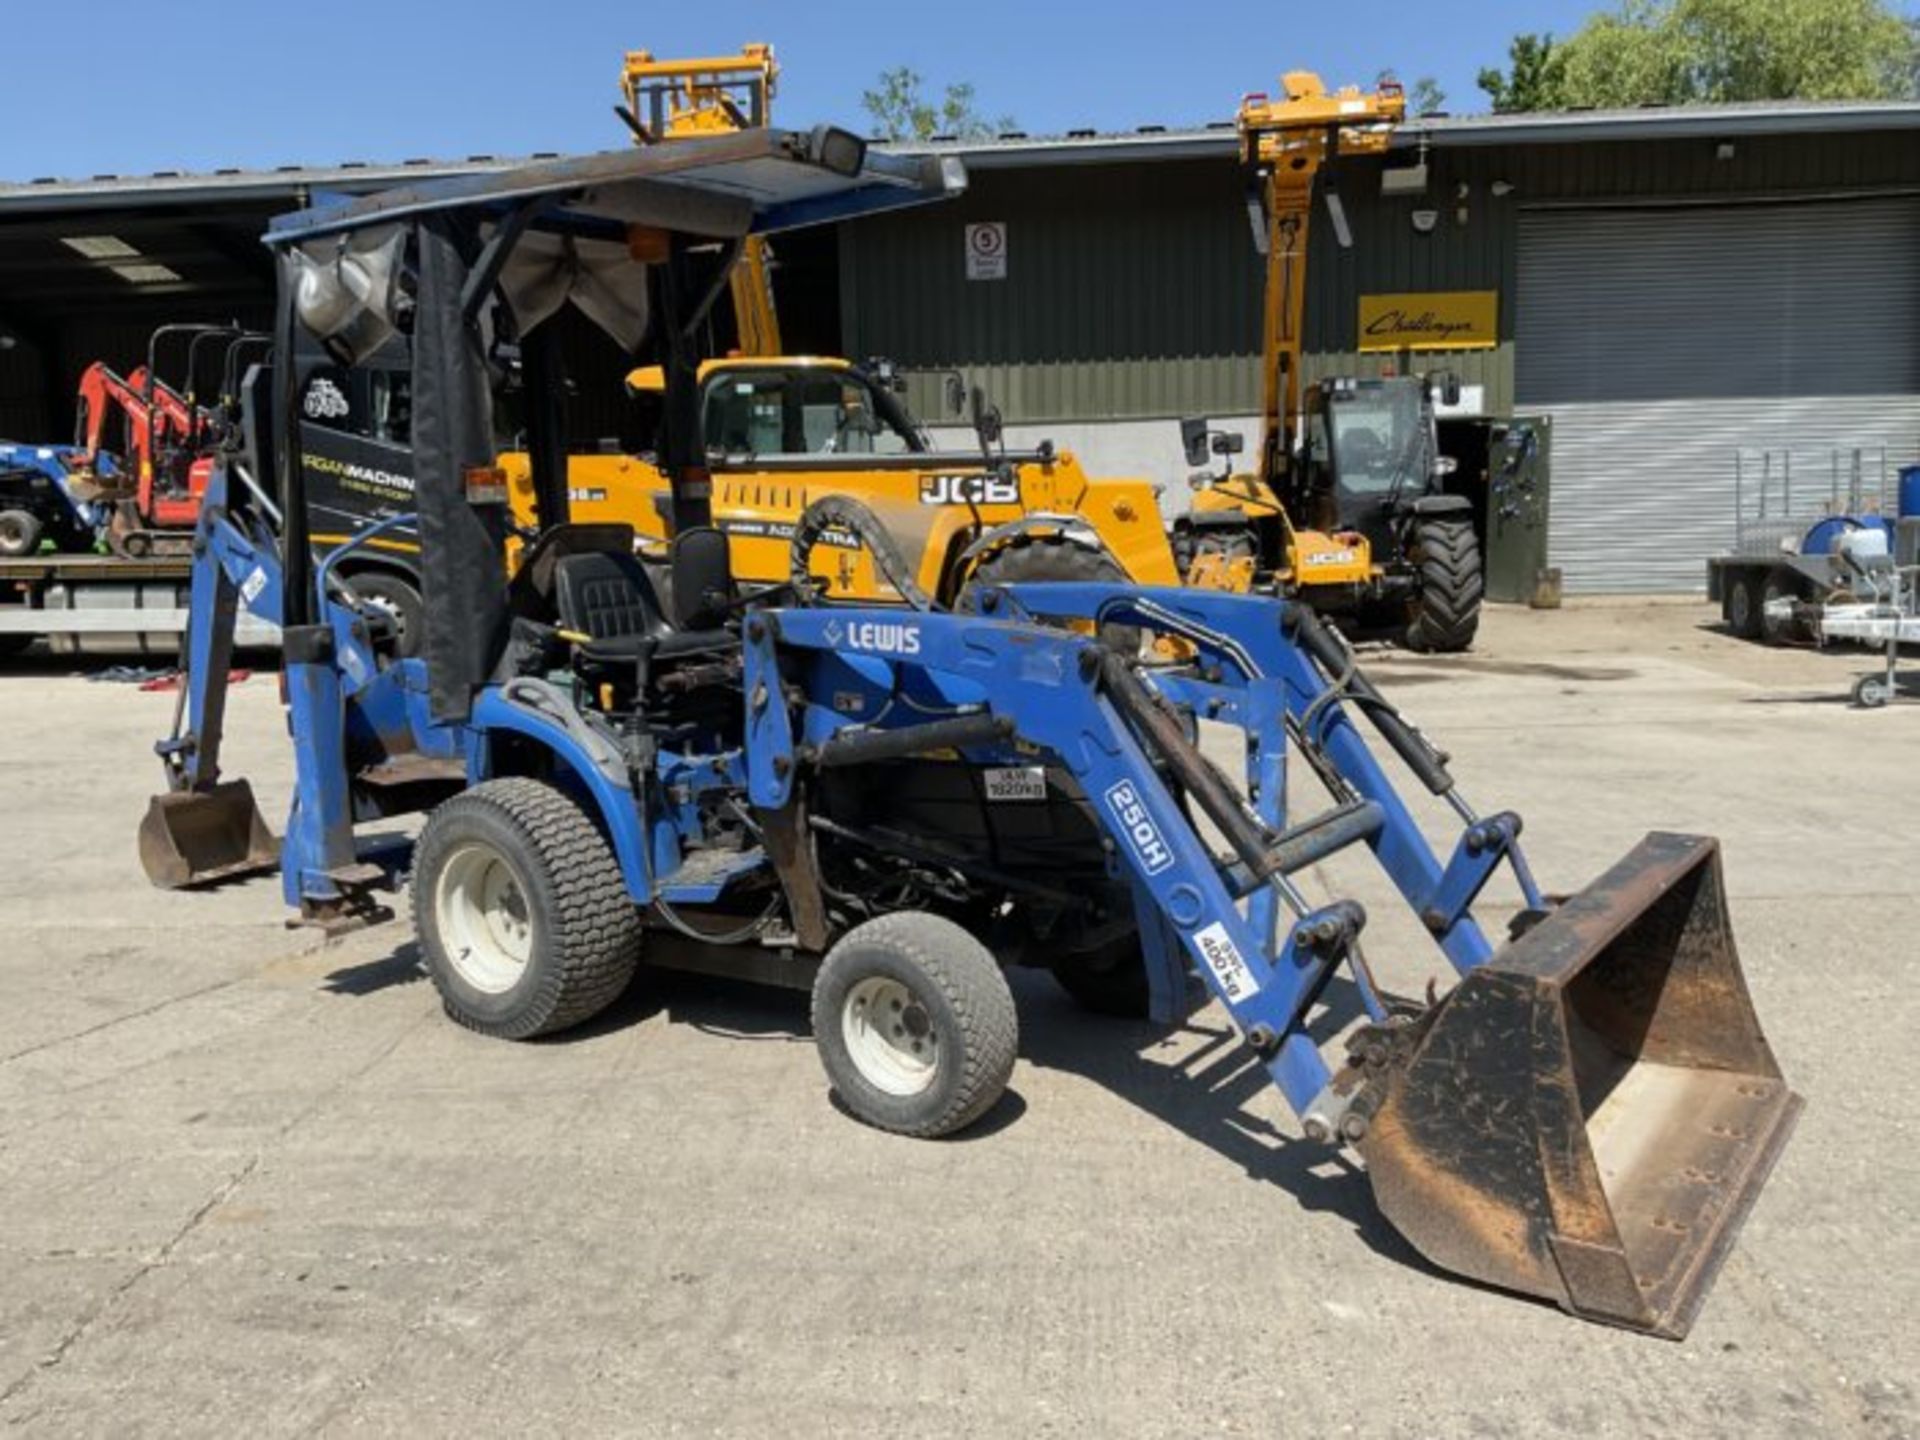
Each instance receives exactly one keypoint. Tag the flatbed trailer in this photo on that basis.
(104, 604)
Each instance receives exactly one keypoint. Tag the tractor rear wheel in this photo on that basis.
(915, 1024)
(19, 533)
(1110, 979)
(522, 913)
(1446, 613)
(1030, 559)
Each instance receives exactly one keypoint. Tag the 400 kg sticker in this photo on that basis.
(1224, 960)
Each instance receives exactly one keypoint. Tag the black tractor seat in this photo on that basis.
(611, 598)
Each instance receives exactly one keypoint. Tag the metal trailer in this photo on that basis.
(103, 604)
(1881, 607)
(614, 755)
(1786, 522)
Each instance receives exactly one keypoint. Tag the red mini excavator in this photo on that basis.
(163, 440)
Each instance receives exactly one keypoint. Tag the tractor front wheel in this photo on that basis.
(19, 533)
(915, 1024)
(1446, 612)
(522, 913)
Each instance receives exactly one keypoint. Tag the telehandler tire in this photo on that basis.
(915, 1025)
(1446, 614)
(1030, 559)
(523, 917)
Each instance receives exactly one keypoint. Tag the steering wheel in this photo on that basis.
(1364, 449)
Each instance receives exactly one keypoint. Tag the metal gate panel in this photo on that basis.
(1666, 341)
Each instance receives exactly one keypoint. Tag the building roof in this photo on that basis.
(1651, 122)
(296, 183)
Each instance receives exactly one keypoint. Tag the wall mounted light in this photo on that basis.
(1337, 212)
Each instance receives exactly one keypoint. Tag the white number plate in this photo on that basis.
(1017, 782)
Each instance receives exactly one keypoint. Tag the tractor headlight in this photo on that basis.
(841, 151)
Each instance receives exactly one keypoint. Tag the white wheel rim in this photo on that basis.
(486, 928)
(889, 1036)
(388, 608)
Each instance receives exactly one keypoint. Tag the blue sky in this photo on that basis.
(128, 88)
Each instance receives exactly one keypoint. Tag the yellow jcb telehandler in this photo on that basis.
(783, 432)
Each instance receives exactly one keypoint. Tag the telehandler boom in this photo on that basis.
(1350, 516)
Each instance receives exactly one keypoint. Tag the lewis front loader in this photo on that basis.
(627, 763)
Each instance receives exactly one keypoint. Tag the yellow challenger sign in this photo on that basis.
(1437, 320)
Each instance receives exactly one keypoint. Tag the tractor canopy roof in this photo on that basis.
(460, 265)
(752, 182)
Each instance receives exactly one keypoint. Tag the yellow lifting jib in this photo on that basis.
(1307, 114)
(688, 99)
(675, 99)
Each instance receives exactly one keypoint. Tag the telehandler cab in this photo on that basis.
(624, 763)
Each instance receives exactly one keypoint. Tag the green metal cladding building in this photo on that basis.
(1695, 298)
(1688, 294)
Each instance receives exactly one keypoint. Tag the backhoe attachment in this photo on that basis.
(195, 837)
(1588, 1116)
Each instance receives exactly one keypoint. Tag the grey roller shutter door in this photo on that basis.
(1666, 341)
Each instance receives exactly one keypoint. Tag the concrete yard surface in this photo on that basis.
(257, 1184)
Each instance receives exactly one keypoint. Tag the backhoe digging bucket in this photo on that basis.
(194, 837)
(1588, 1116)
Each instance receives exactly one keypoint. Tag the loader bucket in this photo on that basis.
(194, 837)
(1589, 1116)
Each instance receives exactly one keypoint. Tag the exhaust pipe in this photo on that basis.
(195, 837)
(1589, 1116)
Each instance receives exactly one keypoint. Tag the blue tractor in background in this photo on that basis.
(623, 761)
(39, 502)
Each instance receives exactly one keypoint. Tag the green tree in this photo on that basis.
(1682, 52)
(900, 108)
(1531, 80)
(1425, 97)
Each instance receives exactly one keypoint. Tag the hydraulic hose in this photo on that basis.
(841, 512)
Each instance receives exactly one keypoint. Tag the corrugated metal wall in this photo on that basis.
(1131, 290)
(1133, 287)
(1664, 341)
